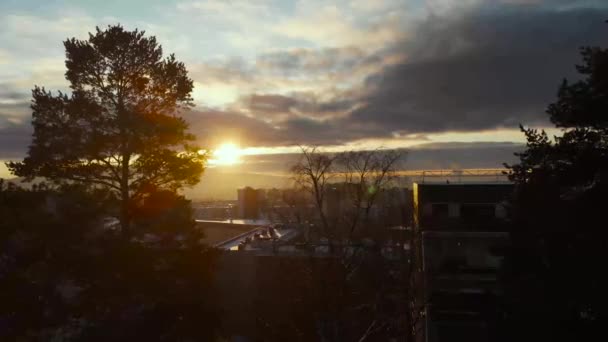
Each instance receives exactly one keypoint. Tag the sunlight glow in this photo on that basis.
(226, 154)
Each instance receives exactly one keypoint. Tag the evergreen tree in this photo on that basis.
(554, 278)
(118, 127)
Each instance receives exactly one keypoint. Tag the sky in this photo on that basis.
(348, 74)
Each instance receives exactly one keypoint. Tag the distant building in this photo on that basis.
(461, 231)
(250, 202)
(393, 207)
(390, 206)
(338, 197)
(215, 211)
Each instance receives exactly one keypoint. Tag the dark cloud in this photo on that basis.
(213, 126)
(313, 131)
(329, 131)
(298, 104)
(489, 67)
(7, 92)
(271, 103)
(216, 126)
(15, 128)
(462, 155)
(14, 139)
(303, 62)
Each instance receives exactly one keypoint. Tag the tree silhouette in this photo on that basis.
(118, 128)
(356, 292)
(312, 174)
(553, 276)
(66, 277)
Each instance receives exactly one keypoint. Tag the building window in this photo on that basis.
(475, 212)
(501, 211)
(463, 255)
(440, 209)
(454, 210)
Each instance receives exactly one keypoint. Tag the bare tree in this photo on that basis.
(355, 281)
(312, 173)
(367, 173)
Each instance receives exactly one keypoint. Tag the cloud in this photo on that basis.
(14, 138)
(279, 108)
(344, 23)
(9, 94)
(15, 129)
(314, 78)
(227, 71)
(14, 103)
(486, 67)
(31, 36)
(293, 69)
(481, 69)
(462, 155)
(5, 57)
(227, 13)
(213, 126)
(336, 73)
(278, 104)
(341, 64)
(240, 26)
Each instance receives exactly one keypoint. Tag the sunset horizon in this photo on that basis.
(303, 170)
(378, 75)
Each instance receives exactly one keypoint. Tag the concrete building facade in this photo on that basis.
(461, 233)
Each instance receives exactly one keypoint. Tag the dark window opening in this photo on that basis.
(440, 209)
(477, 212)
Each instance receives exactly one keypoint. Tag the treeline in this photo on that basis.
(107, 249)
(69, 274)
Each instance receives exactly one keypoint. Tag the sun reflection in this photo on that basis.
(226, 154)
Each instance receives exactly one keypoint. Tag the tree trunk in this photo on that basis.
(125, 219)
(125, 215)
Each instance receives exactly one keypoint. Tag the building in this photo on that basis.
(250, 202)
(460, 234)
(338, 199)
(272, 290)
(393, 207)
(216, 210)
(390, 206)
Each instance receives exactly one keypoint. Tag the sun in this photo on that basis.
(226, 154)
